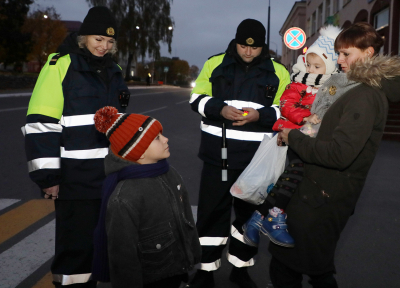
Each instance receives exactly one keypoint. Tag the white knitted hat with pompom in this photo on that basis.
(324, 47)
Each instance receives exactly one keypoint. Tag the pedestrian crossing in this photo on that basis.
(20, 260)
(24, 257)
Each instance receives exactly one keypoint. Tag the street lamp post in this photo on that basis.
(276, 50)
(269, 18)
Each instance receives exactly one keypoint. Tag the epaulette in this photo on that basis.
(54, 59)
(216, 55)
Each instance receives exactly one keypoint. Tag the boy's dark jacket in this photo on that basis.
(150, 228)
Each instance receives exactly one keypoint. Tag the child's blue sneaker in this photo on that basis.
(251, 229)
(276, 230)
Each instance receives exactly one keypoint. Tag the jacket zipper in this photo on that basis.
(175, 209)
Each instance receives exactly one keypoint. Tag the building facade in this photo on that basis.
(296, 18)
(384, 15)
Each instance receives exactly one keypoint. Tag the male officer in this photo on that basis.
(244, 78)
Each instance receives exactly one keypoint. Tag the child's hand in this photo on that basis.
(305, 119)
(314, 119)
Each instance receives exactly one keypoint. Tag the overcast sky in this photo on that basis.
(202, 27)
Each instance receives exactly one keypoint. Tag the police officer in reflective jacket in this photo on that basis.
(244, 78)
(65, 152)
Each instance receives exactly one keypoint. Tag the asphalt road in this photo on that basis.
(368, 253)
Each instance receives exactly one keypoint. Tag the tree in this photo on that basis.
(179, 71)
(14, 45)
(143, 24)
(194, 71)
(47, 33)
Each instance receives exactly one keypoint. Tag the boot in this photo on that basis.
(275, 229)
(202, 279)
(241, 277)
(251, 229)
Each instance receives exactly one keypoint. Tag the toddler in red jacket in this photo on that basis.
(296, 106)
(309, 73)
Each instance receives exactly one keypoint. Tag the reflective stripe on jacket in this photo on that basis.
(223, 81)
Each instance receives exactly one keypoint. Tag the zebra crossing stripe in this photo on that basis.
(25, 257)
(23, 216)
(4, 203)
(45, 282)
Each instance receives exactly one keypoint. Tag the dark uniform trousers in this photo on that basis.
(75, 224)
(214, 220)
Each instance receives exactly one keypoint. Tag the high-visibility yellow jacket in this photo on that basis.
(226, 80)
(62, 145)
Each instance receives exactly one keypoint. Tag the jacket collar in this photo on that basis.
(79, 63)
(381, 72)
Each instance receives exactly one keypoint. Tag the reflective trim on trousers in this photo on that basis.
(234, 134)
(71, 279)
(236, 234)
(31, 128)
(239, 263)
(210, 266)
(77, 120)
(84, 154)
(44, 163)
(213, 241)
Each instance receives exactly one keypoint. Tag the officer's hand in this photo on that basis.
(252, 116)
(283, 137)
(230, 112)
(51, 192)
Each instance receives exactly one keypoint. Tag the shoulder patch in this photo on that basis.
(54, 59)
(215, 55)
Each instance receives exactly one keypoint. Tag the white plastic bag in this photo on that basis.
(262, 173)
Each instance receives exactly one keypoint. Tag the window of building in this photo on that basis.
(327, 8)
(381, 19)
(335, 6)
(308, 27)
(345, 2)
(313, 22)
(319, 16)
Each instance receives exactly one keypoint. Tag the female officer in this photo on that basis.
(65, 152)
(338, 159)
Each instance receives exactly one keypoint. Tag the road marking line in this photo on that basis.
(4, 203)
(13, 109)
(143, 94)
(153, 110)
(22, 217)
(17, 94)
(185, 101)
(25, 257)
(45, 282)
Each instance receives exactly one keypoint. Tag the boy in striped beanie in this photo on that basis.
(145, 218)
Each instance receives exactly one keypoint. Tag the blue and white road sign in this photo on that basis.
(294, 38)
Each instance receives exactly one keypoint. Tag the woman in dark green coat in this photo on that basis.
(338, 159)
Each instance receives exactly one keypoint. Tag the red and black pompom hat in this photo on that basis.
(129, 134)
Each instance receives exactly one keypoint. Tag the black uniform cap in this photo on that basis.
(99, 21)
(250, 32)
